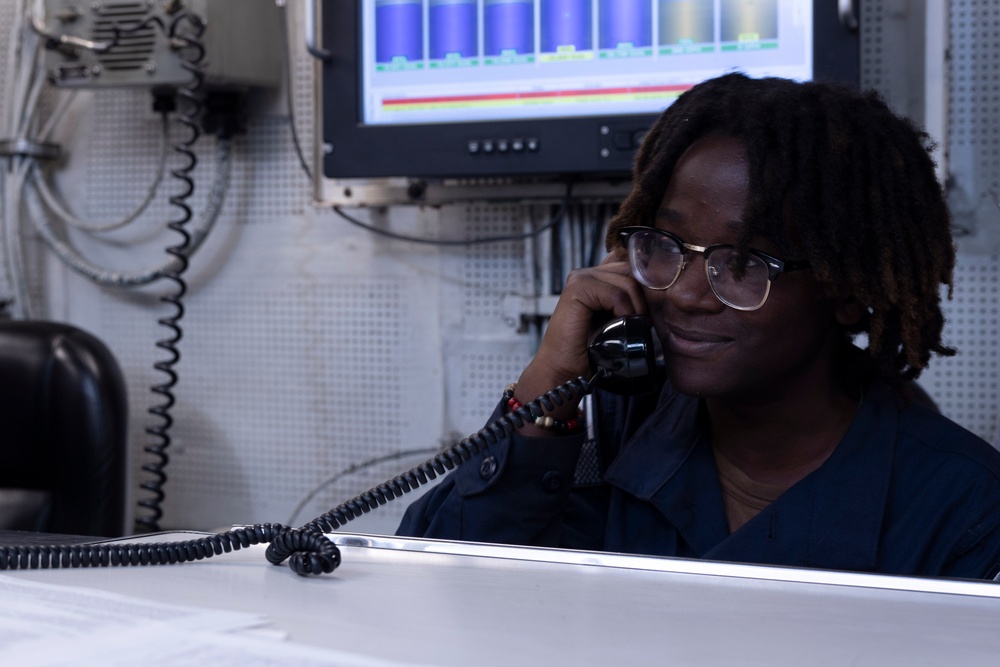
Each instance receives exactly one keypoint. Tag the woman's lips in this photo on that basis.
(690, 343)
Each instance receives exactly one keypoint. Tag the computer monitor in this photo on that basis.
(529, 89)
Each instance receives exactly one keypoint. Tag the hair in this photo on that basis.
(834, 176)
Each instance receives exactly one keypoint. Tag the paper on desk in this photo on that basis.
(48, 625)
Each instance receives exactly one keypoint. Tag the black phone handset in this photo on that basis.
(621, 356)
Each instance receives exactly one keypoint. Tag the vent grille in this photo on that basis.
(134, 45)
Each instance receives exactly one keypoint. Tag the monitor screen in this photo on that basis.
(477, 88)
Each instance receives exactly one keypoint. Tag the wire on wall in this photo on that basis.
(48, 196)
(290, 91)
(22, 87)
(553, 222)
(117, 278)
(350, 470)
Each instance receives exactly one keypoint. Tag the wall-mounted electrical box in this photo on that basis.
(98, 44)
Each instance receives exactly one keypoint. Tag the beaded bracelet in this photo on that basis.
(544, 421)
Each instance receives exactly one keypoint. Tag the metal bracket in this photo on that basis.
(520, 311)
(848, 14)
(312, 13)
(28, 148)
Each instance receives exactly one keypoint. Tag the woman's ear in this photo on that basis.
(849, 311)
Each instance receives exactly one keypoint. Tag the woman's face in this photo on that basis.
(714, 350)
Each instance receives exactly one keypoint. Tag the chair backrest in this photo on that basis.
(63, 431)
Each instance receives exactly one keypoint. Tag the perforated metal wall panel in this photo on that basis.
(966, 386)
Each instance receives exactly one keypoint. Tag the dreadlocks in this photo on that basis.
(836, 177)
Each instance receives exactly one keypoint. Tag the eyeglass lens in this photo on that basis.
(657, 260)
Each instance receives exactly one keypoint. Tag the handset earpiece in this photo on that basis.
(622, 351)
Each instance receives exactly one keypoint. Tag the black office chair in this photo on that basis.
(63, 431)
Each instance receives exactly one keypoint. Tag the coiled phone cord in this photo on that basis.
(157, 450)
(306, 549)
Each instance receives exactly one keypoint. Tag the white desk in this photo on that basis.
(446, 603)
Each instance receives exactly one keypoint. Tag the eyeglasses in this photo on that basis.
(658, 257)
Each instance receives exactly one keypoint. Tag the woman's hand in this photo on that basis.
(608, 289)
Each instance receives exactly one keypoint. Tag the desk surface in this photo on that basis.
(444, 603)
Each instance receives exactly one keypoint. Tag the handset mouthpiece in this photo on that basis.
(621, 354)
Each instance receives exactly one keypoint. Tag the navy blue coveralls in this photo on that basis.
(906, 491)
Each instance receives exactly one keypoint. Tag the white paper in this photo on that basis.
(48, 625)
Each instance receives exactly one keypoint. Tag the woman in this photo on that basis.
(788, 242)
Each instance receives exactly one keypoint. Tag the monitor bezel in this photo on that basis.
(581, 148)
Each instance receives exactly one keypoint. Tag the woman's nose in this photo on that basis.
(692, 289)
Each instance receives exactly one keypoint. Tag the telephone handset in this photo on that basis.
(621, 356)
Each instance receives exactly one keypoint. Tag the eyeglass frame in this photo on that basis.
(775, 266)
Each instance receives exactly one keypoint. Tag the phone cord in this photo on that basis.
(306, 549)
(160, 432)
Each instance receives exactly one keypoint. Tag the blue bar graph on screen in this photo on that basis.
(566, 26)
(399, 35)
(625, 24)
(436, 78)
(453, 29)
(509, 27)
